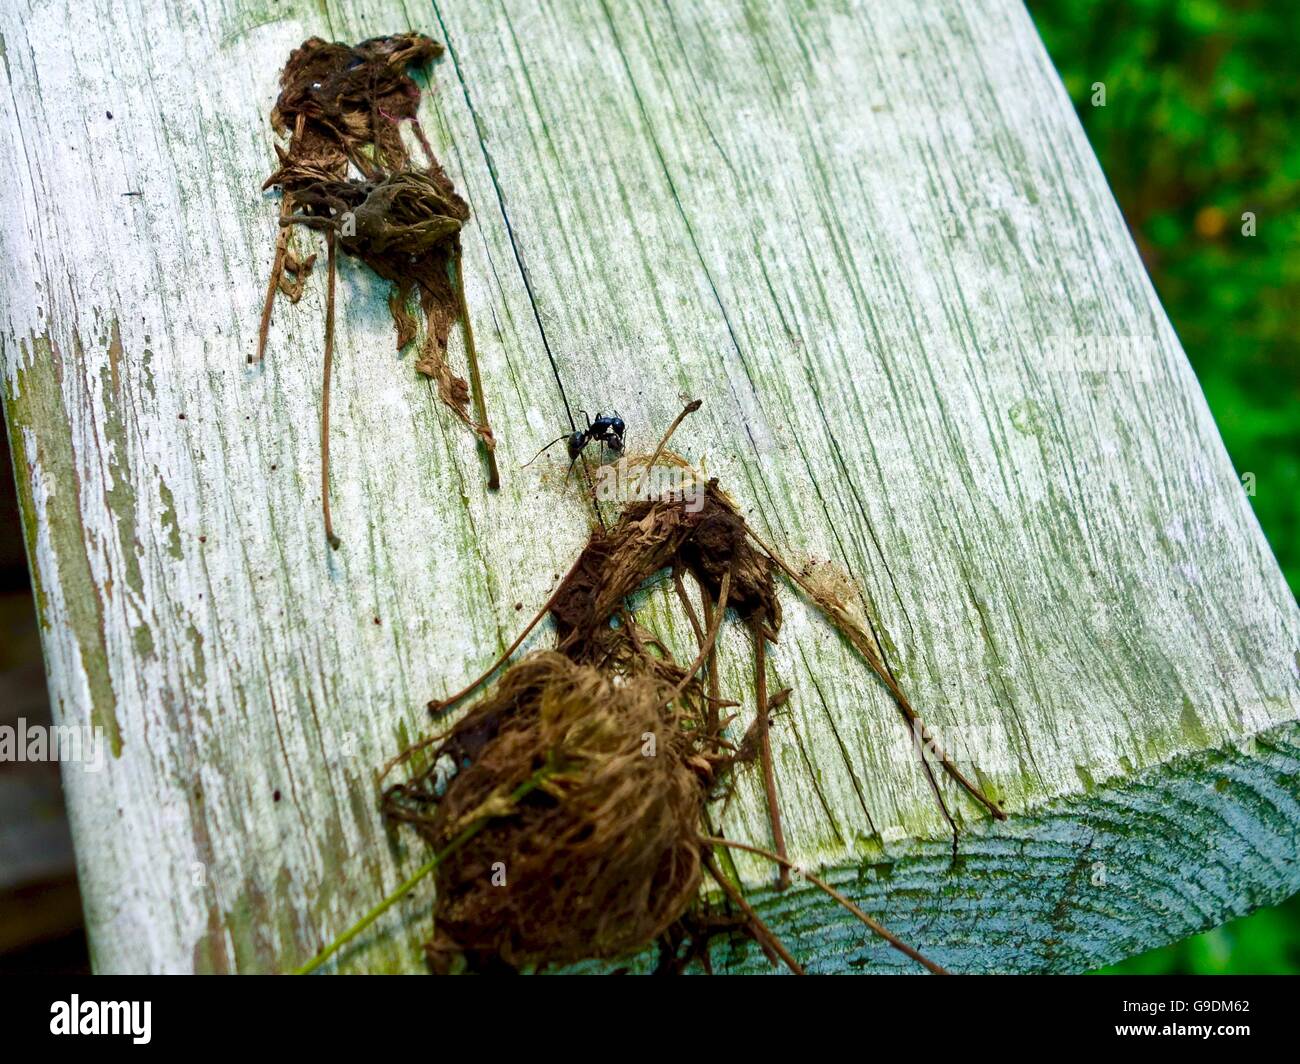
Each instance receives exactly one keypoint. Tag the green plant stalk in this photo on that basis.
(374, 914)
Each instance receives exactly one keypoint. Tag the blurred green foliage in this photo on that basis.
(1202, 99)
(1265, 943)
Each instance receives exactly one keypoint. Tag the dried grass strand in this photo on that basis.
(859, 639)
(876, 927)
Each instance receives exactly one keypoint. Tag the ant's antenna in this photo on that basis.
(544, 450)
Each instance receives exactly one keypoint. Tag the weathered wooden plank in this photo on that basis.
(871, 236)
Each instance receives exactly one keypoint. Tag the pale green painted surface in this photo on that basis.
(870, 236)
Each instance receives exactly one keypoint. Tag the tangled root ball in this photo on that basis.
(601, 856)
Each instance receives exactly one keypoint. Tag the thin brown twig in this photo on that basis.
(765, 935)
(325, 395)
(875, 926)
(411, 751)
(765, 746)
(687, 606)
(475, 380)
(715, 684)
(277, 264)
(437, 705)
(689, 408)
(273, 282)
(854, 634)
(723, 593)
(425, 146)
(714, 702)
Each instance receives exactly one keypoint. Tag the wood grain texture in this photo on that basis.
(871, 237)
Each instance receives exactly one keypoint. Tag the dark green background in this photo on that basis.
(1202, 97)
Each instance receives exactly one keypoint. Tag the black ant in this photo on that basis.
(607, 430)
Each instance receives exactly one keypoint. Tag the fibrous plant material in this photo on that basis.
(831, 601)
(605, 855)
(342, 109)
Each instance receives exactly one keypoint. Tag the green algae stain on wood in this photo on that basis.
(169, 520)
(43, 459)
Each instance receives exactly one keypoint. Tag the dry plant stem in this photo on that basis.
(711, 639)
(687, 606)
(714, 701)
(854, 634)
(411, 751)
(766, 936)
(827, 889)
(432, 863)
(689, 408)
(371, 171)
(437, 705)
(277, 264)
(277, 268)
(943, 805)
(425, 146)
(475, 380)
(325, 396)
(765, 746)
(590, 494)
(715, 683)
